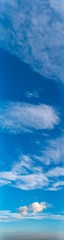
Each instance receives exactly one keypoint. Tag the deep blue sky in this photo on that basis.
(20, 84)
(32, 115)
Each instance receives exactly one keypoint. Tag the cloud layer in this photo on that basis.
(34, 31)
(33, 211)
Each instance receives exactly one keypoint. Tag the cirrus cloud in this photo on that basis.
(24, 175)
(34, 31)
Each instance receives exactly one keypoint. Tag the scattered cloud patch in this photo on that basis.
(33, 94)
(57, 185)
(33, 208)
(25, 175)
(4, 182)
(56, 172)
(16, 117)
(23, 210)
(53, 152)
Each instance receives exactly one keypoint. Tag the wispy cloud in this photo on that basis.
(33, 94)
(53, 152)
(17, 117)
(56, 172)
(36, 38)
(58, 6)
(25, 175)
(4, 182)
(57, 185)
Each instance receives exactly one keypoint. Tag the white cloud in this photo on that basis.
(23, 210)
(29, 211)
(25, 164)
(33, 94)
(53, 152)
(4, 182)
(36, 38)
(31, 181)
(16, 117)
(33, 208)
(8, 216)
(38, 207)
(8, 175)
(57, 186)
(25, 175)
(56, 172)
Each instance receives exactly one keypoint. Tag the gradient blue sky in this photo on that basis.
(31, 126)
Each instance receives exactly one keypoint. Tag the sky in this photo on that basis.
(31, 116)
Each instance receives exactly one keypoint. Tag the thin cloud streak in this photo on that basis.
(8, 216)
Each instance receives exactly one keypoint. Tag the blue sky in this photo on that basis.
(31, 123)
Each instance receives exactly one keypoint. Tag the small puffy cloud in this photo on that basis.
(33, 208)
(38, 207)
(23, 210)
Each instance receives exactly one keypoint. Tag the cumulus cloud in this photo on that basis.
(23, 210)
(38, 207)
(17, 117)
(35, 207)
(29, 211)
(35, 33)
